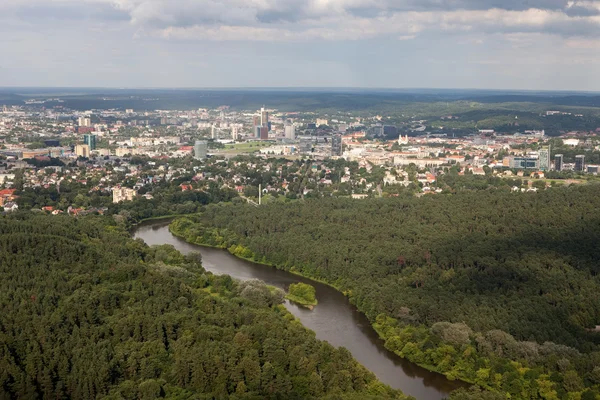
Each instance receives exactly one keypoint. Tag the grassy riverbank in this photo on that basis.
(301, 301)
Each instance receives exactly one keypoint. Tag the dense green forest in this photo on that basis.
(88, 312)
(495, 288)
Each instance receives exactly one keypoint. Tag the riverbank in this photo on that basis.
(265, 263)
(300, 301)
(381, 336)
(159, 218)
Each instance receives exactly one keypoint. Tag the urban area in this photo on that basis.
(103, 157)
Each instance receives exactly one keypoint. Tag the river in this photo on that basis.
(334, 319)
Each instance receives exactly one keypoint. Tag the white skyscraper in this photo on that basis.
(234, 132)
(213, 132)
(290, 132)
(83, 121)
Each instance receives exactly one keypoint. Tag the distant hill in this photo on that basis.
(284, 99)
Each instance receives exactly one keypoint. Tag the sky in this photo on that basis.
(484, 44)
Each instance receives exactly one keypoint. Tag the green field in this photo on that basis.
(246, 147)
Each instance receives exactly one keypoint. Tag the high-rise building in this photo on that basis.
(213, 132)
(90, 140)
(558, 162)
(336, 145)
(544, 156)
(82, 150)
(264, 133)
(256, 120)
(264, 118)
(257, 131)
(83, 121)
(234, 133)
(200, 149)
(579, 163)
(290, 132)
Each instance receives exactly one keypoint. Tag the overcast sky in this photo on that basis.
(503, 44)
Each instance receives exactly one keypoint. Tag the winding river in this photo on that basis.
(334, 319)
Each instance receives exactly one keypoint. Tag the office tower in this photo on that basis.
(213, 132)
(579, 163)
(257, 131)
(558, 162)
(256, 120)
(90, 140)
(336, 145)
(264, 133)
(200, 149)
(83, 121)
(234, 133)
(290, 132)
(544, 157)
(264, 118)
(82, 150)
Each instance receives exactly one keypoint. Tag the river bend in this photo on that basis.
(334, 319)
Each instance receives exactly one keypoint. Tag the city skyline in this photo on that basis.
(538, 45)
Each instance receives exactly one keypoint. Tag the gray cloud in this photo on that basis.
(580, 10)
(318, 19)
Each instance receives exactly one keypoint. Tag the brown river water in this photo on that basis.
(334, 319)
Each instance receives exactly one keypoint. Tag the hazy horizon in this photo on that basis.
(302, 89)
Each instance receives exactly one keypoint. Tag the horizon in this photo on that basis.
(302, 89)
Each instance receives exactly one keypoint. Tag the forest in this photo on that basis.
(494, 288)
(88, 312)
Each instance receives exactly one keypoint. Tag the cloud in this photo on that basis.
(278, 20)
